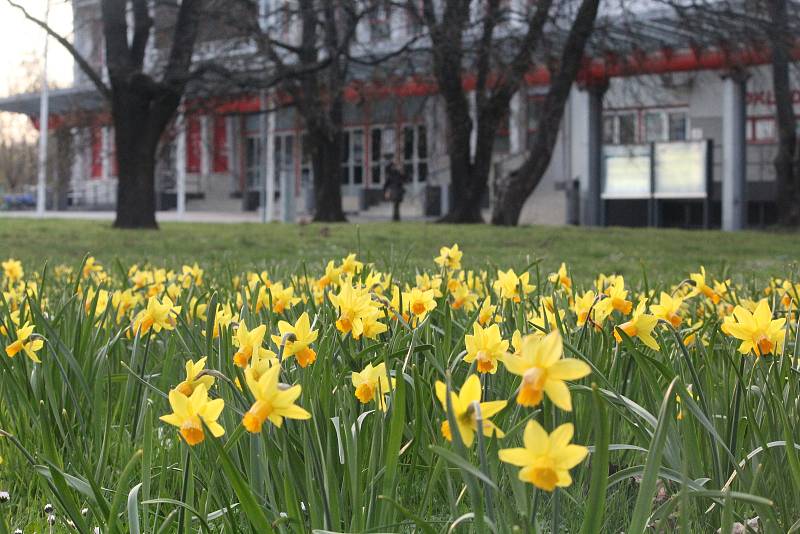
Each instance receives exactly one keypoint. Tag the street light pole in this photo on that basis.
(44, 112)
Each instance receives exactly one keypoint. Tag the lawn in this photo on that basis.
(664, 254)
(314, 397)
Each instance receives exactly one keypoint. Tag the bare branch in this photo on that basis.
(84, 65)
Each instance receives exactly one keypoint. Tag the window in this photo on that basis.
(381, 153)
(678, 126)
(648, 126)
(626, 128)
(284, 159)
(380, 22)
(252, 151)
(415, 153)
(654, 127)
(306, 166)
(764, 130)
(353, 157)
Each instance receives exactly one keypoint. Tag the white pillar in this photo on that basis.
(105, 153)
(44, 116)
(473, 115)
(205, 151)
(734, 152)
(180, 163)
(287, 195)
(269, 165)
(586, 127)
(517, 123)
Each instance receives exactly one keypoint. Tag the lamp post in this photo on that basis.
(44, 111)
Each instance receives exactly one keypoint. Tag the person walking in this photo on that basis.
(394, 189)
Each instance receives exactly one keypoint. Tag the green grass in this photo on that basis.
(667, 254)
(82, 427)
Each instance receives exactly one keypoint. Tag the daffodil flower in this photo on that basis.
(25, 342)
(192, 380)
(373, 383)
(465, 407)
(543, 370)
(486, 347)
(273, 401)
(297, 340)
(546, 458)
(758, 331)
(189, 414)
(641, 325)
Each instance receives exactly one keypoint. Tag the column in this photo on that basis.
(205, 151)
(180, 164)
(287, 192)
(734, 151)
(269, 160)
(105, 153)
(518, 123)
(586, 149)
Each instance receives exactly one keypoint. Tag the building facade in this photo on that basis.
(236, 152)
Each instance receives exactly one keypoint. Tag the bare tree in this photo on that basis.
(142, 104)
(787, 160)
(513, 190)
(481, 50)
(742, 29)
(313, 67)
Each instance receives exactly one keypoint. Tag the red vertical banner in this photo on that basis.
(112, 153)
(96, 135)
(220, 152)
(193, 142)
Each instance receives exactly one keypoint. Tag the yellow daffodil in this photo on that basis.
(668, 309)
(26, 342)
(91, 267)
(248, 342)
(282, 297)
(102, 301)
(332, 276)
(192, 274)
(298, 339)
(449, 257)
(701, 287)
(486, 347)
(543, 370)
(157, 316)
(419, 302)
(12, 269)
(463, 297)
(358, 314)
(487, 313)
(641, 325)
(589, 303)
(546, 458)
(465, 407)
(273, 401)
(618, 296)
(758, 331)
(509, 286)
(561, 278)
(350, 265)
(373, 383)
(193, 369)
(426, 282)
(124, 302)
(189, 414)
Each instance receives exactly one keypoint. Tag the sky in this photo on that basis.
(21, 41)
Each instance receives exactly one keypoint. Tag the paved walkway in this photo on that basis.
(190, 216)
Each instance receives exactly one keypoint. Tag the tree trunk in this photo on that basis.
(787, 166)
(137, 131)
(326, 160)
(513, 190)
